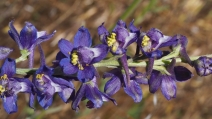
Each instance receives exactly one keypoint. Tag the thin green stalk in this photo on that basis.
(115, 63)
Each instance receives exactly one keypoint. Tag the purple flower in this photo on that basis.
(151, 41)
(46, 85)
(29, 38)
(203, 66)
(167, 82)
(10, 86)
(90, 91)
(4, 52)
(118, 79)
(182, 40)
(79, 57)
(120, 38)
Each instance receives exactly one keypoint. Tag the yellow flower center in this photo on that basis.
(75, 60)
(2, 89)
(4, 77)
(111, 39)
(39, 76)
(111, 42)
(145, 41)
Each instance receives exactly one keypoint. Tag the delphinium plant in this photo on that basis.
(77, 62)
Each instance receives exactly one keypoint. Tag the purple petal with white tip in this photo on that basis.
(168, 87)
(112, 86)
(134, 91)
(4, 52)
(43, 38)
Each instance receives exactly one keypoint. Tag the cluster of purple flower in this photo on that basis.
(76, 60)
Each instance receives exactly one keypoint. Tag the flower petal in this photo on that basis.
(8, 68)
(65, 47)
(28, 35)
(120, 23)
(45, 100)
(67, 67)
(14, 34)
(168, 87)
(31, 100)
(10, 104)
(20, 85)
(63, 82)
(112, 86)
(82, 38)
(154, 81)
(100, 52)
(86, 74)
(66, 94)
(121, 34)
(103, 33)
(134, 91)
(85, 55)
(80, 94)
(94, 95)
(141, 78)
(41, 33)
(4, 52)
(43, 38)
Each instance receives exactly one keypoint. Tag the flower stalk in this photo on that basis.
(114, 63)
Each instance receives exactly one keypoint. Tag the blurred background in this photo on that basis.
(192, 18)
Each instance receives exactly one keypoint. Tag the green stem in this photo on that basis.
(23, 57)
(115, 63)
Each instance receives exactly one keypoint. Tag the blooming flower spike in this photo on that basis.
(10, 86)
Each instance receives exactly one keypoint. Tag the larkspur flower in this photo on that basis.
(117, 79)
(119, 40)
(182, 41)
(46, 85)
(10, 86)
(167, 82)
(4, 52)
(151, 41)
(80, 57)
(203, 66)
(28, 39)
(90, 91)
